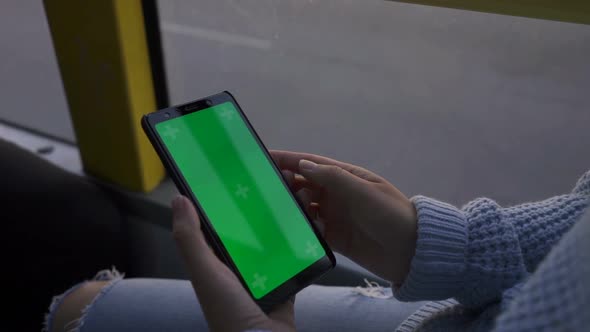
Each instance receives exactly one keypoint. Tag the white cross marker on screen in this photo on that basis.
(259, 282)
(312, 249)
(242, 191)
(227, 114)
(170, 132)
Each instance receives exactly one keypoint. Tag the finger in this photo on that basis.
(332, 178)
(312, 207)
(314, 189)
(289, 178)
(290, 161)
(300, 182)
(201, 262)
(296, 181)
(314, 210)
(186, 228)
(218, 289)
(304, 196)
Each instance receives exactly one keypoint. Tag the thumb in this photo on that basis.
(331, 177)
(186, 227)
(224, 301)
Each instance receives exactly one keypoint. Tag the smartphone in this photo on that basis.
(249, 216)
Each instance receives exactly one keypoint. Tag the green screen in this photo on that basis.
(259, 223)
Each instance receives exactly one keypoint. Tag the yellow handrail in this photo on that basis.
(103, 58)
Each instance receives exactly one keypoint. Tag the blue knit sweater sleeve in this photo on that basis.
(556, 297)
(475, 253)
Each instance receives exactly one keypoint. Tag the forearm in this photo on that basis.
(560, 281)
(475, 253)
(470, 254)
(540, 225)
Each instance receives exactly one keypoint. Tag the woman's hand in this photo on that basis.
(363, 216)
(224, 301)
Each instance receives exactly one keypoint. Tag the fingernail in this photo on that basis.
(307, 165)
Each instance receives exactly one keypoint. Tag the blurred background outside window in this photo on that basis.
(449, 103)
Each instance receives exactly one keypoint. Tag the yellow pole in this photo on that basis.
(104, 63)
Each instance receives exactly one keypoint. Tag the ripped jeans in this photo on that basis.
(171, 305)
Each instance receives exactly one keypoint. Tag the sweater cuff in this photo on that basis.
(439, 263)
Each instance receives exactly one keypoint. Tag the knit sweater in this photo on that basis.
(482, 262)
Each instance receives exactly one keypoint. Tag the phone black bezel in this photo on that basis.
(289, 287)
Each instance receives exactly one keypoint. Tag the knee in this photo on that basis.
(69, 311)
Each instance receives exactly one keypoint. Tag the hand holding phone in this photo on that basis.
(364, 217)
(227, 306)
(248, 214)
